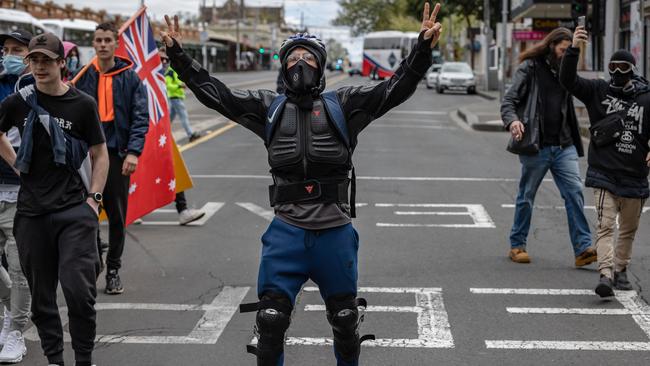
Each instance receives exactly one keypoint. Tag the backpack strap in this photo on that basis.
(334, 110)
(273, 114)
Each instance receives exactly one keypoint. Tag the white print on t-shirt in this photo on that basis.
(66, 125)
(633, 122)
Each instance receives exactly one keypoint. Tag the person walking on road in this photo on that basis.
(185, 215)
(619, 156)
(176, 97)
(14, 290)
(310, 137)
(56, 221)
(124, 113)
(540, 116)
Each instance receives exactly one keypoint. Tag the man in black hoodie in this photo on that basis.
(618, 158)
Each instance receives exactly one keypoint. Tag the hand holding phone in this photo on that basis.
(582, 22)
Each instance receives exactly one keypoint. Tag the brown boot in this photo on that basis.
(519, 255)
(587, 257)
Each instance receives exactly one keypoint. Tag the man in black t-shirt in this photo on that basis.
(56, 222)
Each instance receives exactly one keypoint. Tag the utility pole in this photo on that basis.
(504, 47)
(141, 3)
(487, 33)
(238, 47)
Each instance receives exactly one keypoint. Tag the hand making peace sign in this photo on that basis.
(430, 26)
(173, 32)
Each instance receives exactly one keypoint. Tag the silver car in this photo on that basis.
(432, 76)
(456, 76)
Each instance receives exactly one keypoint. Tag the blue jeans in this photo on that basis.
(563, 164)
(177, 106)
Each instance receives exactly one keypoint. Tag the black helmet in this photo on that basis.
(307, 41)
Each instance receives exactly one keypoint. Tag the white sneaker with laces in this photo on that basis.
(6, 327)
(189, 215)
(14, 350)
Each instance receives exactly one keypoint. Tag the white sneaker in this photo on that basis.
(189, 214)
(6, 327)
(14, 350)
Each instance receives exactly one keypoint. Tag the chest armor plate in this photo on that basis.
(306, 144)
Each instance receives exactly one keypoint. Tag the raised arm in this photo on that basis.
(366, 103)
(245, 107)
(581, 88)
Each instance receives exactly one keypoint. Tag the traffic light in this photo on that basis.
(262, 50)
(579, 8)
(276, 56)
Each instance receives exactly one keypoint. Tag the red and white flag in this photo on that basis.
(153, 184)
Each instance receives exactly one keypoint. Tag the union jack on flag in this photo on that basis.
(153, 185)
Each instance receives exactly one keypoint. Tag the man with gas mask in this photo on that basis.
(310, 137)
(619, 155)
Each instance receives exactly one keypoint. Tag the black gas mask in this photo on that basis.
(302, 77)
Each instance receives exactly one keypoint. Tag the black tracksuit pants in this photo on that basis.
(61, 247)
(116, 196)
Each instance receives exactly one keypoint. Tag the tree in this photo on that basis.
(364, 16)
(335, 50)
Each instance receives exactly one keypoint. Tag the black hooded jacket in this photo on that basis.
(619, 167)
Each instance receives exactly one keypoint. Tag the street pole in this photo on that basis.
(486, 21)
(237, 45)
(504, 48)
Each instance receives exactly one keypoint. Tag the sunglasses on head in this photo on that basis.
(622, 67)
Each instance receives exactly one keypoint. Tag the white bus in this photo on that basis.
(78, 31)
(11, 20)
(383, 52)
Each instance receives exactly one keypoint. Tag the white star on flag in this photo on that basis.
(172, 185)
(158, 180)
(162, 140)
(132, 188)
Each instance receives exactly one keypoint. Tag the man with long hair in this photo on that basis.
(540, 116)
(619, 156)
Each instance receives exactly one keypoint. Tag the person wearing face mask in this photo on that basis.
(619, 156)
(310, 136)
(543, 125)
(72, 61)
(14, 290)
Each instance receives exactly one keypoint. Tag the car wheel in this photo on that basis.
(440, 90)
(471, 90)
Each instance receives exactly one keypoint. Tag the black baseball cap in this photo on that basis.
(47, 44)
(20, 35)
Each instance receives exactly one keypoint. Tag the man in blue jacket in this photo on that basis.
(124, 114)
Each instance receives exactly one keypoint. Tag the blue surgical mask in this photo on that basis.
(73, 63)
(13, 65)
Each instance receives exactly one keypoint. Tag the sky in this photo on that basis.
(317, 14)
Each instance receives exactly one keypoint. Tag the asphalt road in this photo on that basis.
(435, 209)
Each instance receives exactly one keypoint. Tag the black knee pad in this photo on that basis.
(344, 316)
(271, 323)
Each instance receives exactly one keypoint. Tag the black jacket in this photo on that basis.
(523, 102)
(619, 167)
(361, 104)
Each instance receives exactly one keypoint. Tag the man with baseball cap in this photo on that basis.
(56, 221)
(14, 291)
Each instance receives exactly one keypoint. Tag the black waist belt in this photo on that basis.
(309, 191)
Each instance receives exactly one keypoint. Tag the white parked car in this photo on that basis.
(456, 76)
(432, 76)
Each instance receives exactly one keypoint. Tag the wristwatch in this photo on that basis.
(97, 196)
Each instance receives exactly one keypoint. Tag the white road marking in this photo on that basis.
(207, 330)
(530, 291)
(407, 179)
(570, 345)
(476, 212)
(210, 208)
(542, 207)
(434, 113)
(432, 127)
(434, 330)
(570, 311)
(268, 215)
(631, 301)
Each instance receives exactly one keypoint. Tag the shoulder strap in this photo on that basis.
(335, 111)
(274, 112)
